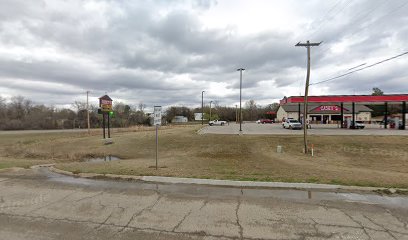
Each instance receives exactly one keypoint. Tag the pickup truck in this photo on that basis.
(292, 124)
(217, 123)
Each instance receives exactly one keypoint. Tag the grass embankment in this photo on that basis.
(351, 160)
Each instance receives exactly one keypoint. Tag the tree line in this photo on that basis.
(20, 113)
(250, 111)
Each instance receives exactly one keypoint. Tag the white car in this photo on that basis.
(359, 125)
(292, 124)
(217, 123)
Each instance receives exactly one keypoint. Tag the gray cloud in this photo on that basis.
(162, 53)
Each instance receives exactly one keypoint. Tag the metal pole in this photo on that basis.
(210, 110)
(108, 125)
(236, 113)
(157, 145)
(103, 125)
(353, 106)
(202, 107)
(87, 111)
(240, 98)
(341, 115)
(404, 111)
(299, 112)
(386, 114)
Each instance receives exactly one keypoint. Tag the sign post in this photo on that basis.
(105, 107)
(157, 122)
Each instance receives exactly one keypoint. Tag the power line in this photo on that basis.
(322, 18)
(360, 69)
(398, 8)
(325, 22)
(357, 66)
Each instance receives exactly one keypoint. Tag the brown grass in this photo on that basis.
(351, 160)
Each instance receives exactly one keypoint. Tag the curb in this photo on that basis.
(226, 183)
(255, 184)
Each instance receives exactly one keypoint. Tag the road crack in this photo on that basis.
(140, 213)
(357, 222)
(241, 229)
(182, 220)
(51, 203)
(89, 197)
(381, 226)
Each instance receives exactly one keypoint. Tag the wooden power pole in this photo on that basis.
(307, 45)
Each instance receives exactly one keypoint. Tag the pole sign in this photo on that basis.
(105, 103)
(157, 115)
(105, 106)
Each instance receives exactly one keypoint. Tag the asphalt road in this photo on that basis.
(317, 129)
(37, 204)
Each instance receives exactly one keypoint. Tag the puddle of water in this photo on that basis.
(102, 159)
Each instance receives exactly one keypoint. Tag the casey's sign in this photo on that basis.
(327, 108)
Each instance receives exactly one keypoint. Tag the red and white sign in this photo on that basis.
(328, 108)
(106, 102)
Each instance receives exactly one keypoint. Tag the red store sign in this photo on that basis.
(325, 108)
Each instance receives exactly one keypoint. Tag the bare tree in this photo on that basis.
(141, 106)
(78, 106)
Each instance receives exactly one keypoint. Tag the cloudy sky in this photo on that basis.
(166, 52)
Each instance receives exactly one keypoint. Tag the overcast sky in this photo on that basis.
(166, 52)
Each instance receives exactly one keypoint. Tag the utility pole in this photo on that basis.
(307, 45)
(240, 98)
(87, 112)
(202, 107)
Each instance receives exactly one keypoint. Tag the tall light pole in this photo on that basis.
(202, 107)
(307, 45)
(240, 98)
(87, 112)
(236, 113)
(210, 109)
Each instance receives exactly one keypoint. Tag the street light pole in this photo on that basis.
(87, 112)
(210, 109)
(202, 107)
(240, 98)
(236, 113)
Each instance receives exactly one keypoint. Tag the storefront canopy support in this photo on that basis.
(385, 114)
(404, 111)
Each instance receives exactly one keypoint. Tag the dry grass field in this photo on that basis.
(350, 160)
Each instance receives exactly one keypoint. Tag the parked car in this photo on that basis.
(358, 125)
(217, 123)
(292, 124)
(263, 121)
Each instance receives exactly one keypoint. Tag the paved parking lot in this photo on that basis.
(317, 129)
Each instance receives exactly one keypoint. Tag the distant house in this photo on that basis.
(179, 119)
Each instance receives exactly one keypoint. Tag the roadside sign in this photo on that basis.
(157, 122)
(105, 103)
(105, 108)
(157, 115)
